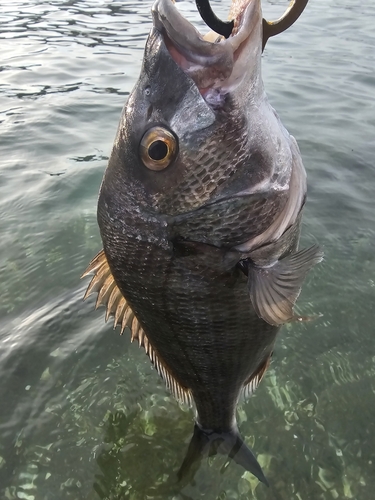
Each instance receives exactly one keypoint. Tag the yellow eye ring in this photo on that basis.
(158, 148)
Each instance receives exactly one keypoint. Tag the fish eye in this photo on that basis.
(158, 148)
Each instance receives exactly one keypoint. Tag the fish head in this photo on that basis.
(188, 125)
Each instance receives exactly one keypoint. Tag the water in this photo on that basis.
(82, 414)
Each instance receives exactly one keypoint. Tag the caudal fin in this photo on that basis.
(208, 443)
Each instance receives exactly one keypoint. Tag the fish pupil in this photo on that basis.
(158, 150)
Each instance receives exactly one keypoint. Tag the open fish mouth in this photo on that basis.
(213, 60)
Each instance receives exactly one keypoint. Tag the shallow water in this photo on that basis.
(82, 413)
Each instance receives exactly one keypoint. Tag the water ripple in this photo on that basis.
(85, 415)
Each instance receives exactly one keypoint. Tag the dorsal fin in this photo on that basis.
(111, 297)
(252, 382)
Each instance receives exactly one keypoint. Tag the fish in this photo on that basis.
(200, 213)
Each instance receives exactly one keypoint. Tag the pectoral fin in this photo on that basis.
(275, 289)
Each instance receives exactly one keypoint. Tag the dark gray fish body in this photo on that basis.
(201, 242)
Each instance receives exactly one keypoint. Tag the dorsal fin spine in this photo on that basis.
(110, 295)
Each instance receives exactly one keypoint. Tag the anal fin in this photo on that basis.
(111, 297)
(254, 380)
(275, 289)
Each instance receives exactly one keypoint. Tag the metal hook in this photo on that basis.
(272, 28)
(213, 22)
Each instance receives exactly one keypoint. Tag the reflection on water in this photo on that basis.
(82, 413)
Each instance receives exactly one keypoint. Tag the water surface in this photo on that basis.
(82, 413)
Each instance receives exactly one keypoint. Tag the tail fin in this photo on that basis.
(227, 443)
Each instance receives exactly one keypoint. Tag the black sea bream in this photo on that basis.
(199, 213)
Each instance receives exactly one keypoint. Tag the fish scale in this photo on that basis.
(182, 299)
(213, 162)
(232, 222)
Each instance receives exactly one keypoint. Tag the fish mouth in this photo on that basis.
(210, 60)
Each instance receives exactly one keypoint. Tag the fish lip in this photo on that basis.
(208, 63)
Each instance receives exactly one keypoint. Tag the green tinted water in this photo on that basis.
(82, 413)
